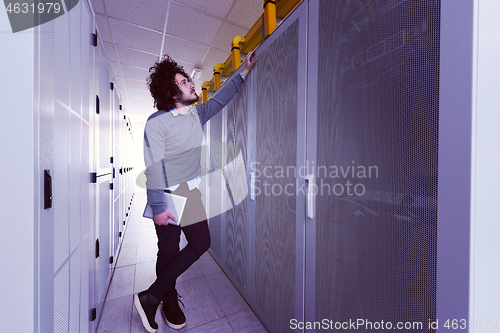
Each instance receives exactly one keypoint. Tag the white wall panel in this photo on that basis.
(20, 184)
(484, 293)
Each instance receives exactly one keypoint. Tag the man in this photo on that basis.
(172, 141)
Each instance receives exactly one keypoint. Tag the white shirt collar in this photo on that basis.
(175, 113)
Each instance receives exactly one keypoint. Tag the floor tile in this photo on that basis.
(130, 239)
(201, 307)
(208, 265)
(226, 294)
(220, 325)
(122, 283)
(145, 275)
(246, 322)
(131, 227)
(192, 272)
(116, 315)
(146, 252)
(127, 256)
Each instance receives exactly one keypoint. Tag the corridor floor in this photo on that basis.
(212, 304)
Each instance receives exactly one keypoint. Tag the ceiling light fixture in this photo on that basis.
(196, 74)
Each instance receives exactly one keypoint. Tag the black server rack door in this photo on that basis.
(276, 149)
(377, 164)
(236, 257)
(216, 160)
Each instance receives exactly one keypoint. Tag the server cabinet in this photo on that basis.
(72, 139)
(215, 135)
(115, 162)
(358, 236)
(259, 242)
(376, 154)
(235, 224)
(103, 176)
(63, 50)
(227, 151)
(279, 155)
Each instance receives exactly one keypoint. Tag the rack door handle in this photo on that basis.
(47, 189)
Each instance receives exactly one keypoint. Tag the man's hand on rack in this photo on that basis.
(249, 63)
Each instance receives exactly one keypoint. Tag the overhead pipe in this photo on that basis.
(285, 7)
(253, 37)
(217, 70)
(204, 92)
(235, 51)
(269, 17)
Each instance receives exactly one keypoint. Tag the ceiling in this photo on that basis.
(195, 33)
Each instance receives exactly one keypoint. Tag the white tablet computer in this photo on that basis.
(175, 205)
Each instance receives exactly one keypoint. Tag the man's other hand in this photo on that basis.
(162, 219)
(249, 63)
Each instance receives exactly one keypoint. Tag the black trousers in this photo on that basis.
(170, 262)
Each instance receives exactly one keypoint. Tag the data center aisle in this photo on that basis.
(212, 302)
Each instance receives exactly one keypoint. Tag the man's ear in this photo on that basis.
(177, 97)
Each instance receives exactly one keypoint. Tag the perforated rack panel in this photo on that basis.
(275, 218)
(377, 116)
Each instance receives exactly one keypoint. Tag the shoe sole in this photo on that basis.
(171, 325)
(142, 314)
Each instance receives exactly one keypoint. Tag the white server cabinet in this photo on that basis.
(103, 176)
(59, 210)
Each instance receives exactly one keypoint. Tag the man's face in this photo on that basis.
(189, 95)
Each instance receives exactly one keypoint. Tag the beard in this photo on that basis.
(188, 100)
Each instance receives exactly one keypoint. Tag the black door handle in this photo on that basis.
(47, 189)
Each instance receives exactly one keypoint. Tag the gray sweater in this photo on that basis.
(172, 144)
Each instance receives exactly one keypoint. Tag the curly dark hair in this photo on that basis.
(161, 83)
